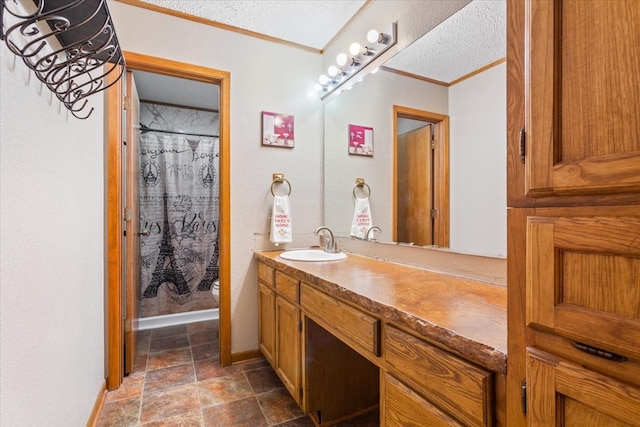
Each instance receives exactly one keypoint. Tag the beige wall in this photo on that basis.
(51, 254)
(478, 149)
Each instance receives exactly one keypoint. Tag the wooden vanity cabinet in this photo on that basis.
(339, 361)
(573, 96)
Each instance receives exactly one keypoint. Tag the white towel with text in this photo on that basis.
(281, 220)
(361, 218)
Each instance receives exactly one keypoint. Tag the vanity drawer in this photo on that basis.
(265, 273)
(355, 328)
(288, 287)
(454, 385)
(403, 407)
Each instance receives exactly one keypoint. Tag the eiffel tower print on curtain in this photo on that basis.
(211, 273)
(166, 270)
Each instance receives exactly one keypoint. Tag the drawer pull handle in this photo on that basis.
(599, 352)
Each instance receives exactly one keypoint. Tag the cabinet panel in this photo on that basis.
(453, 384)
(560, 393)
(582, 279)
(354, 327)
(583, 99)
(288, 340)
(267, 322)
(405, 408)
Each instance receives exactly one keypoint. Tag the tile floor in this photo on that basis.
(177, 381)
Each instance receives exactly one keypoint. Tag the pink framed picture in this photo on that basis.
(277, 130)
(360, 140)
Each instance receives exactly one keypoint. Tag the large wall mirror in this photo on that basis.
(456, 71)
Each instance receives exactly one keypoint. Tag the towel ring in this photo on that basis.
(280, 181)
(361, 185)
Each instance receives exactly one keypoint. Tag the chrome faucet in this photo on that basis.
(331, 245)
(369, 230)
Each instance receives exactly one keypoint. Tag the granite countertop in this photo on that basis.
(466, 315)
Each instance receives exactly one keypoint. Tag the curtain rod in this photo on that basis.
(144, 129)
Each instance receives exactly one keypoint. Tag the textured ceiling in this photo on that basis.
(311, 23)
(470, 39)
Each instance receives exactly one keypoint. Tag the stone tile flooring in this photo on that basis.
(177, 381)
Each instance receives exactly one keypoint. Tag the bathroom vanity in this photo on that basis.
(350, 336)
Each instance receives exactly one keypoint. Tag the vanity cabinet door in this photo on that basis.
(565, 394)
(267, 322)
(288, 342)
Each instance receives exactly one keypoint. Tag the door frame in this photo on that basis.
(440, 170)
(114, 210)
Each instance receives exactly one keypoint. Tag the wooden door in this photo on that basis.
(583, 97)
(414, 180)
(288, 342)
(561, 393)
(132, 224)
(267, 322)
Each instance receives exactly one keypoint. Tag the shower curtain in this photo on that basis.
(179, 207)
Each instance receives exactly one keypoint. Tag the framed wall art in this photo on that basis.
(277, 130)
(360, 140)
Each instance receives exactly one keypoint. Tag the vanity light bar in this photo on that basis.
(347, 67)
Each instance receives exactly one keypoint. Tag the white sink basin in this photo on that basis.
(312, 255)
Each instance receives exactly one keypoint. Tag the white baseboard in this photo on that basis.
(177, 319)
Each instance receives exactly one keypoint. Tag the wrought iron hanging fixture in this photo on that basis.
(71, 46)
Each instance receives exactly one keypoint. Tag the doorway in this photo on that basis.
(421, 177)
(117, 324)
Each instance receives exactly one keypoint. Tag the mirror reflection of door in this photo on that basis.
(415, 183)
(421, 177)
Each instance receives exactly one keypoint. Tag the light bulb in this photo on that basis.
(323, 80)
(318, 87)
(342, 59)
(373, 36)
(333, 71)
(354, 49)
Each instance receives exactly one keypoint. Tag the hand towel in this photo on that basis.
(361, 218)
(281, 220)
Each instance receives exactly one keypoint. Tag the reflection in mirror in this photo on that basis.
(473, 100)
(414, 175)
(421, 189)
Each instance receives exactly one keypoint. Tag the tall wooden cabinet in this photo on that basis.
(574, 212)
